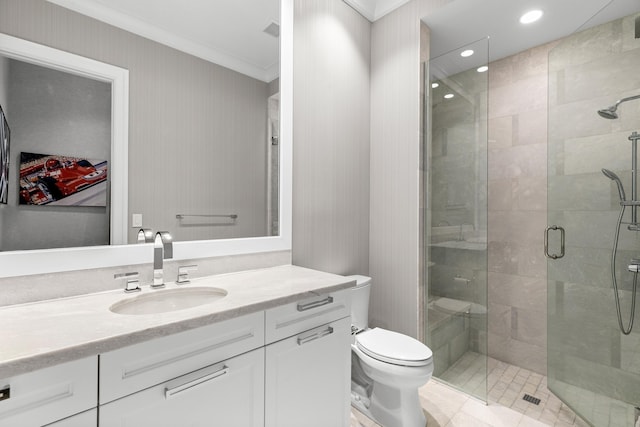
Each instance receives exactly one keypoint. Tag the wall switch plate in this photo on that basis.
(136, 220)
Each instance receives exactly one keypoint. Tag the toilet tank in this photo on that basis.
(360, 301)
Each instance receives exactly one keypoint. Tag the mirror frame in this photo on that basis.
(41, 261)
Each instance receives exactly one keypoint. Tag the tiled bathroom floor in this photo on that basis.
(447, 407)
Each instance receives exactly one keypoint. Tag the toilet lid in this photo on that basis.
(392, 347)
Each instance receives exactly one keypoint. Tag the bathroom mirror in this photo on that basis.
(153, 168)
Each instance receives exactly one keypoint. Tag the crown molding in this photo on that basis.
(375, 9)
(167, 38)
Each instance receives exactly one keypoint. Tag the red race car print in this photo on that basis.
(47, 178)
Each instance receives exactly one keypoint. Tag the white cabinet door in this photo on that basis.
(41, 397)
(85, 419)
(227, 394)
(308, 378)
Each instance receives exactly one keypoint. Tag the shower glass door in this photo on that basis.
(592, 366)
(455, 221)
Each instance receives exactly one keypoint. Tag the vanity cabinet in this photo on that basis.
(307, 373)
(51, 394)
(286, 366)
(229, 394)
(196, 377)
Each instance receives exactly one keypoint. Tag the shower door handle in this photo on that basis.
(546, 242)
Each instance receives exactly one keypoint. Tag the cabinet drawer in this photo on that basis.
(143, 365)
(227, 394)
(287, 320)
(49, 394)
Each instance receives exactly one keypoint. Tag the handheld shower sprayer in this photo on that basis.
(612, 176)
(634, 225)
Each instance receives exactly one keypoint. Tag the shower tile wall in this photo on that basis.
(517, 168)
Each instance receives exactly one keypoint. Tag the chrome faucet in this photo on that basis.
(145, 235)
(162, 249)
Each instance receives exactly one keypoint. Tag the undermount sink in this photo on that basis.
(167, 300)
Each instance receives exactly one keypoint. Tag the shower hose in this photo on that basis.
(624, 330)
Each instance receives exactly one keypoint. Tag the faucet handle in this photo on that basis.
(132, 281)
(183, 274)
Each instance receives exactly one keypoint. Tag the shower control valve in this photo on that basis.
(634, 266)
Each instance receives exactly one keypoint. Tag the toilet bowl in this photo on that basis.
(387, 368)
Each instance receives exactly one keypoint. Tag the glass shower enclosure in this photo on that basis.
(593, 366)
(455, 216)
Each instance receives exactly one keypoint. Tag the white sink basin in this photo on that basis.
(167, 300)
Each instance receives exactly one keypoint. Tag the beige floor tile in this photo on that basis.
(531, 422)
(465, 420)
(445, 406)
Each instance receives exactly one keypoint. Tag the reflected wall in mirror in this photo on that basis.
(59, 113)
(203, 138)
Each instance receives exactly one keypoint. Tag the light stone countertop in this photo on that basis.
(41, 334)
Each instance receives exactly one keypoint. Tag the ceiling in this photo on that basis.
(227, 32)
(461, 22)
(230, 32)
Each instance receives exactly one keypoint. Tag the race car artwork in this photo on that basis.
(59, 180)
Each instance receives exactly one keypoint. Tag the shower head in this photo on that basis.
(612, 176)
(610, 112)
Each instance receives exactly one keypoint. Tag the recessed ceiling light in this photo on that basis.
(448, 96)
(466, 53)
(531, 16)
(482, 69)
(434, 85)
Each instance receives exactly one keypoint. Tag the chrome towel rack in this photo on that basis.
(182, 216)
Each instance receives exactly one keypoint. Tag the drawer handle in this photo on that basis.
(314, 304)
(5, 393)
(170, 392)
(320, 334)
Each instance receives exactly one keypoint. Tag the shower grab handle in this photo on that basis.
(546, 242)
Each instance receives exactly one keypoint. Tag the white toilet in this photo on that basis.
(387, 368)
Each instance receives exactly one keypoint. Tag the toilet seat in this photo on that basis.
(392, 347)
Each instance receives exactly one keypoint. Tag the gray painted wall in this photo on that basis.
(395, 162)
(52, 112)
(331, 137)
(395, 166)
(357, 153)
(172, 95)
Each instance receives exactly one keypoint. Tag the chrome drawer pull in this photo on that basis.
(314, 304)
(170, 392)
(315, 336)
